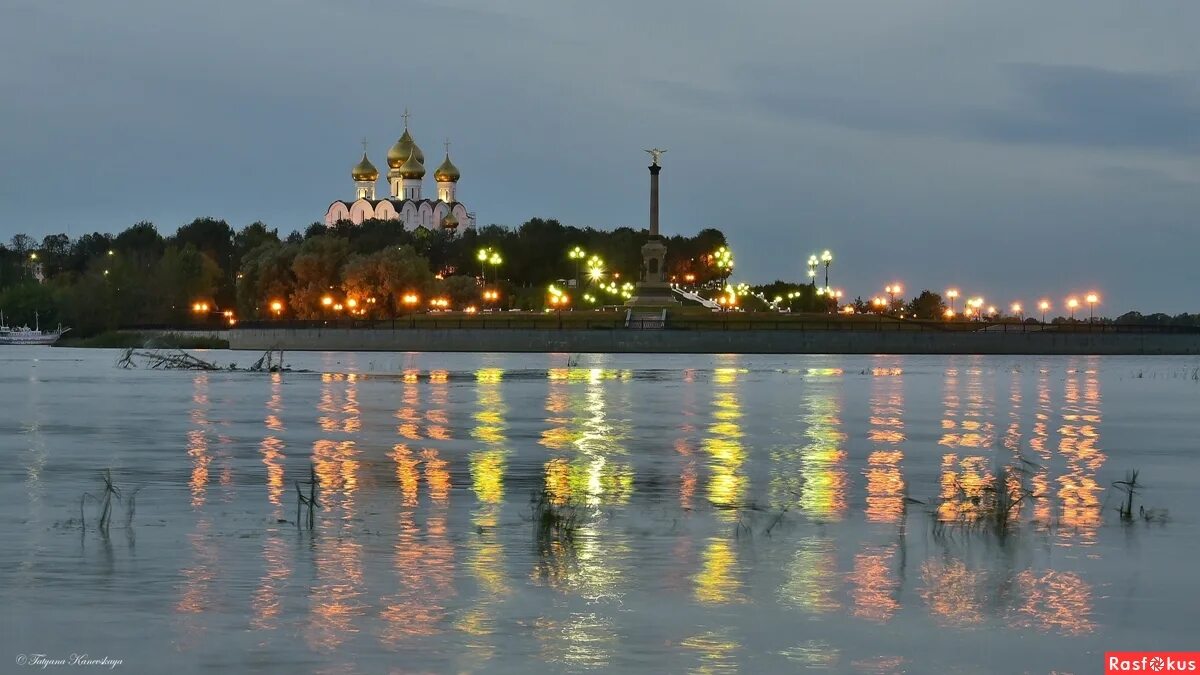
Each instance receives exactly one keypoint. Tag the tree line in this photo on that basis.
(139, 277)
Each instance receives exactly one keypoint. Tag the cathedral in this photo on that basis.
(406, 172)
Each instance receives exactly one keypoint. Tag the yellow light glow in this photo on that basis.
(327, 301)
(276, 306)
(1092, 298)
(1072, 303)
(351, 303)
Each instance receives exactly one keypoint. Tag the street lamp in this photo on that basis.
(577, 254)
(1092, 299)
(1016, 310)
(952, 294)
(494, 260)
(892, 291)
(277, 307)
(482, 256)
(1072, 304)
(1044, 305)
(827, 258)
(812, 270)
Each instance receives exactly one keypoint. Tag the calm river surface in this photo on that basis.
(734, 513)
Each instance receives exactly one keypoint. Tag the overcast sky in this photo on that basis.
(1013, 149)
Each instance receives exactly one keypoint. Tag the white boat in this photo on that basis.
(28, 336)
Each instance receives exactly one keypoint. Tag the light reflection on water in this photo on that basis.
(722, 509)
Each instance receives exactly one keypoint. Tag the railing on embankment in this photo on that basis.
(577, 333)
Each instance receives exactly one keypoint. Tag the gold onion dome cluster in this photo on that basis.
(412, 167)
(446, 171)
(364, 170)
(450, 222)
(402, 150)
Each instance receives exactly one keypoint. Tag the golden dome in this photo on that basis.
(412, 167)
(447, 171)
(403, 148)
(364, 170)
(450, 222)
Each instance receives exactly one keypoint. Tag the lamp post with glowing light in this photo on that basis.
(953, 295)
(277, 308)
(1016, 310)
(812, 270)
(827, 258)
(893, 290)
(577, 254)
(1072, 304)
(1092, 299)
(1044, 305)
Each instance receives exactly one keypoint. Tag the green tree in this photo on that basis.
(928, 305)
(317, 269)
(184, 276)
(266, 276)
(386, 276)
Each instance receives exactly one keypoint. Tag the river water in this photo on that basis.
(715, 514)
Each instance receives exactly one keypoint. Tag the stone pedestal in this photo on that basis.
(652, 289)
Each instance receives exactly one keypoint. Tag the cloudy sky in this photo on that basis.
(1014, 149)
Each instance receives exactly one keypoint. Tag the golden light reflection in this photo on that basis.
(437, 419)
(488, 464)
(717, 651)
(812, 577)
(885, 484)
(718, 582)
(339, 406)
(874, 588)
(407, 476)
(1059, 602)
(952, 593)
(335, 600)
(723, 444)
(408, 416)
(336, 464)
(1039, 436)
(271, 447)
(585, 640)
(824, 477)
(266, 602)
(198, 440)
(1079, 494)
(485, 562)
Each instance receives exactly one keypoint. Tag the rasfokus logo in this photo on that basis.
(1151, 662)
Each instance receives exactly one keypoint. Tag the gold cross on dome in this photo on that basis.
(405, 116)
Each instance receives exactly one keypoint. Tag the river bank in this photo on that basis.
(742, 341)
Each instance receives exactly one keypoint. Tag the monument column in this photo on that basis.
(652, 288)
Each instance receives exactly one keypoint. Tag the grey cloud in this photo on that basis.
(1085, 106)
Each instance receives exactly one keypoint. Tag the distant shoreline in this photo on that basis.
(741, 341)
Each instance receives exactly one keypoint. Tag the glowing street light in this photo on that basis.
(892, 291)
(953, 295)
(813, 263)
(410, 299)
(1072, 304)
(277, 307)
(827, 258)
(577, 254)
(1016, 309)
(494, 260)
(1092, 299)
(1044, 305)
(949, 313)
(327, 301)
